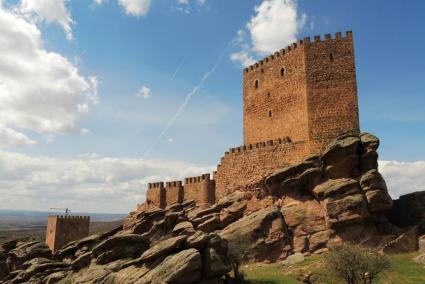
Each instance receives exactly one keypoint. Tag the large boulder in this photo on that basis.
(409, 210)
(118, 247)
(259, 236)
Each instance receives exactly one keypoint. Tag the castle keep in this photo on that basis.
(295, 102)
(64, 229)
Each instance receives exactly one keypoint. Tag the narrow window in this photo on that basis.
(262, 70)
(270, 113)
(331, 57)
(268, 94)
(256, 84)
(282, 72)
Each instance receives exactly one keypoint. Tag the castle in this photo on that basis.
(295, 102)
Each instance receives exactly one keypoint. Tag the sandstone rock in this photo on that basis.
(81, 261)
(198, 240)
(118, 247)
(347, 210)
(216, 260)
(184, 228)
(293, 259)
(405, 243)
(232, 213)
(26, 251)
(55, 277)
(260, 235)
(336, 188)
(378, 200)
(37, 267)
(162, 248)
(211, 224)
(409, 210)
(421, 244)
(273, 181)
(184, 267)
(341, 159)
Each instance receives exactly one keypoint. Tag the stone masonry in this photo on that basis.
(295, 102)
(64, 229)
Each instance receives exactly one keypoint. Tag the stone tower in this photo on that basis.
(306, 92)
(64, 229)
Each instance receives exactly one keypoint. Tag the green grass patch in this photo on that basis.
(403, 270)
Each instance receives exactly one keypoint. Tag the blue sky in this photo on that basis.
(122, 49)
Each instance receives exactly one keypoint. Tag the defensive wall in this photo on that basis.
(64, 229)
(295, 102)
(200, 189)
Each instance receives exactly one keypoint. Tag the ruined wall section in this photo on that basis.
(155, 195)
(201, 189)
(331, 88)
(244, 166)
(64, 229)
(174, 192)
(275, 97)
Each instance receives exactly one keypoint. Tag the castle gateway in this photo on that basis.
(295, 102)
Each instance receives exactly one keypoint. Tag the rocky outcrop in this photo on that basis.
(164, 252)
(306, 208)
(409, 210)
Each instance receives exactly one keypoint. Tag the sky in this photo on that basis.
(100, 97)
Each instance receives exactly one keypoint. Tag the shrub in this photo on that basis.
(350, 262)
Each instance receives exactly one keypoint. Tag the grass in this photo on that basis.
(403, 270)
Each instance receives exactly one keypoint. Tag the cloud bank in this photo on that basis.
(40, 91)
(403, 177)
(135, 7)
(87, 183)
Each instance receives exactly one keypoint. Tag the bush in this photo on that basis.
(351, 262)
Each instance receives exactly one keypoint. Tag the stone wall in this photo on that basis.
(155, 195)
(277, 106)
(64, 229)
(306, 91)
(174, 192)
(331, 88)
(201, 189)
(244, 166)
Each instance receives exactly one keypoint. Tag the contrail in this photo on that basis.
(179, 67)
(182, 107)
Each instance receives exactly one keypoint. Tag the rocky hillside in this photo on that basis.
(336, 197)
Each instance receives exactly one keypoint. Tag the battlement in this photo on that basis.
(173, 183)
(202, 178)
(62, 229)
(156, 185)
(297, 44)
(70, 218)
(174, 192)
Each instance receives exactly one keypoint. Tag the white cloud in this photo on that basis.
(186, 6)
(86, 183)
(85, 131)
(40, 91)
(50, 11)
(144, 92)
(99, 2)
(49, 138)
(135, 7)
(12, 138)
(403, 177)
(169, 140)
(276, 24)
